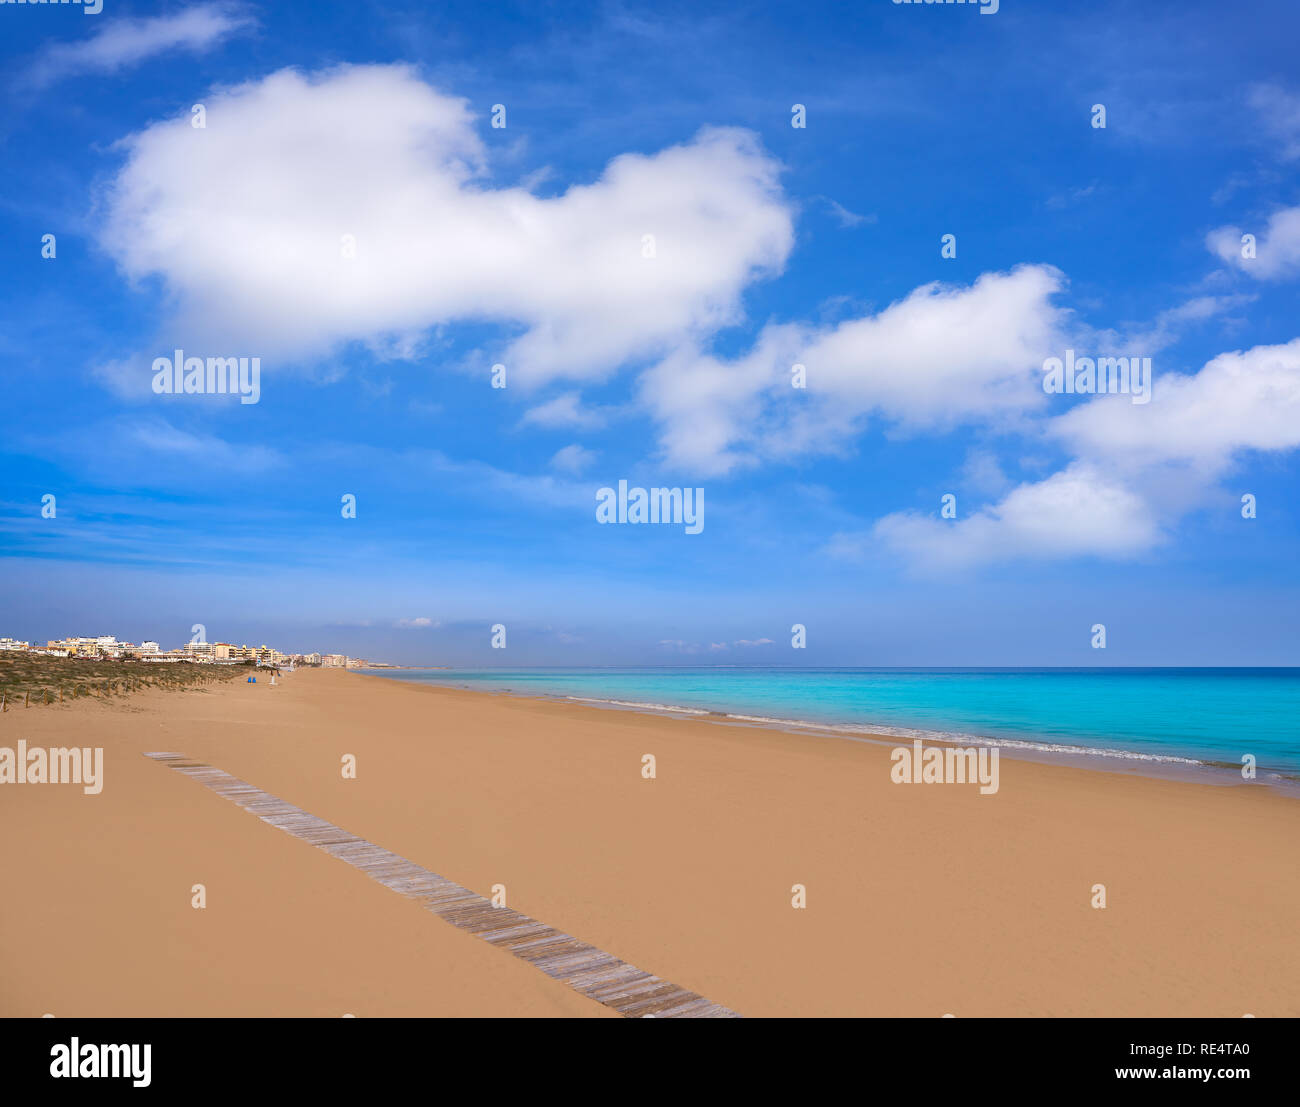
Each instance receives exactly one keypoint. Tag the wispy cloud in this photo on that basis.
(573, 459)
(1166, 328)
(1280, 113)
(161, 437)
(678, 645)
(565, 410)
(846, 218)
(126, 42)
(1071, 196)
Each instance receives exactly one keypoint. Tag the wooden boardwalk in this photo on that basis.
(584, 968)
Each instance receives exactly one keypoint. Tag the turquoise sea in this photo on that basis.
(1156, 715)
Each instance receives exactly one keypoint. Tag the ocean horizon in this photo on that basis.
(1204, 715)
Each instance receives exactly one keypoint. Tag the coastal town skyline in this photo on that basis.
(110, 647)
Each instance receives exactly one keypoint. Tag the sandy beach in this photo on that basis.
(921, 900)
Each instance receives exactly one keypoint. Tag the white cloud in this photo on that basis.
(244, 221)
(1277, 246)
(1280, 111)
(573, 459)
(1167, 327)
(565, 410)
(982, 472)
(1071, 196)
(1242, 400)
(1139, 468)
(121, 42)
(1078, 511)
(678, 645)
(709, 411)
(940, 357)
(845, 217)
(418, 623)
(207, 452)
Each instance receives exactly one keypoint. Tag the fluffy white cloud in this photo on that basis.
(1078, 511)
(1139, 467)
(121, 42)
(244, 221)
(939, 357)
(1277, 248)
(1242, 400)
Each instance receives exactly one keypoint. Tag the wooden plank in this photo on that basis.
(590, 971)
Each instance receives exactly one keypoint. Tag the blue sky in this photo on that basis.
(773, 245)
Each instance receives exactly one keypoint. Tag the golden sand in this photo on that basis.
(921, 900)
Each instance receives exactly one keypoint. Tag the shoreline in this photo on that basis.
(1094, 759)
